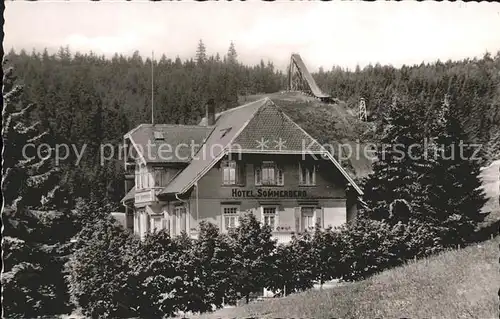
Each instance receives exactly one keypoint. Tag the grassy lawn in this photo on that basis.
(455, 284)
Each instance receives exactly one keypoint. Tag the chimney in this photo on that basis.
(210, 112)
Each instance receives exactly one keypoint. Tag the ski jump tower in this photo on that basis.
(299, 79)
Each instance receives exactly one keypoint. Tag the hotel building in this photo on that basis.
(252, 158)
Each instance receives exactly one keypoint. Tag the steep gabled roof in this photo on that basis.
(229, 124)
(271, 130)
(163, 140)
(257, 127)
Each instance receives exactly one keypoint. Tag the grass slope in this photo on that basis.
(455, 284)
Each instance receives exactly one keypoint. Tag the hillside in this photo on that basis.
(334, 125)
(455, 284)
(491, 185)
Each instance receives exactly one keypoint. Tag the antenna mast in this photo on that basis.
(362, 110)
(152, 89)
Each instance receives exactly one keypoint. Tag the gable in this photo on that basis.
(271, 130)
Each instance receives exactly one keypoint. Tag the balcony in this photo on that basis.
(144, 195)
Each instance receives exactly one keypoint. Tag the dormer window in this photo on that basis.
(225, 131)
(159, 135)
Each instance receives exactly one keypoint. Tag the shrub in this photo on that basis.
(99, 272)
(253, 253)
(325, 254)
(291, 270)
(365, 246)
(213, 254)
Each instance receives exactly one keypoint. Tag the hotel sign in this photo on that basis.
(268, 193)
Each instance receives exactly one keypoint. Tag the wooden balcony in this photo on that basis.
(144, 195)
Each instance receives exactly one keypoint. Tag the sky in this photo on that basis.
(325, 34)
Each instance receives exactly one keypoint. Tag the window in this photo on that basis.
(232, 173)
(160, 177)
(179, 220)
(158, 135)
(268, 173)
(230, 217)
(270, 217)
(307, 175)
(307, 218)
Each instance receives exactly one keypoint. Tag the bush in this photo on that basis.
(253, 251)
(214, 255)
(292, 270)
(99, 272)
(365, 247)
(369, 246)
(325, 254)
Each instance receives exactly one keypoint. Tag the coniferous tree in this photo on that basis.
(28, 175)
(34, 241)
(453, 192)
(231, 53)
(401, 161)
(201, 53)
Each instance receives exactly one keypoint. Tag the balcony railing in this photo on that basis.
(147, 195)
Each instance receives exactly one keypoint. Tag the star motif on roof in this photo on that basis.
(280, 144)
(262, 144)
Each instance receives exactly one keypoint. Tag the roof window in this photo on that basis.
(159, 135)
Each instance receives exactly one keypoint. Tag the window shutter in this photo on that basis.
(301, 181)
(280, 177)
(319, 216)
(241, 173)
(297, 219)
(258, 175)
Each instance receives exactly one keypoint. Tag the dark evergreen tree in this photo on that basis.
(453, 186)
(34, 242)
(232, 56)
(400, 162)
(29, 178)
(201, 53)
